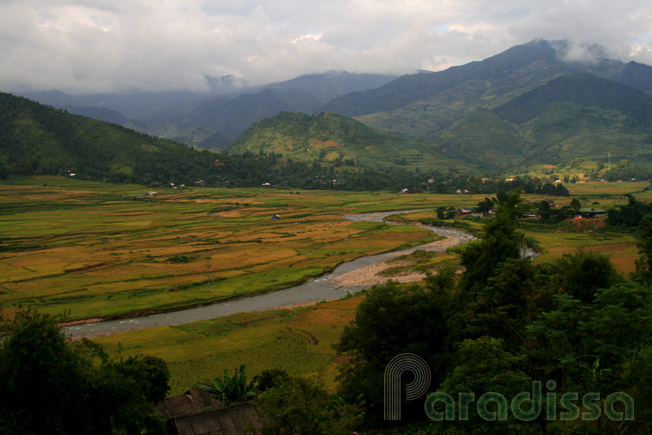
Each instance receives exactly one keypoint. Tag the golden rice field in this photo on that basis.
(96, 249)
(102, 250)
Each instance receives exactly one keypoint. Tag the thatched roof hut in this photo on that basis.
(196, 412)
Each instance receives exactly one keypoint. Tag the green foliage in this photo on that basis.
(644, 263)
(391, 321)
(600, 347)
(582, 273)
(629, 215)
(53, 386)
(180, 258)
(331, 138)
(300, 406)
(484, 365)
(231, 389)
(485, 206)
(270, 378)
(501, 242)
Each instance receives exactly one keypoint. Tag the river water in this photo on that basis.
(324, 287)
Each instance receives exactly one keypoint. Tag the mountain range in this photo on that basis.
(529, 105)
(211, 120)
(532, 104)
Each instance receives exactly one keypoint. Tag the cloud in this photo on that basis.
(107, 46)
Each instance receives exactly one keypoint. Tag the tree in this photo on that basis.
(582, 273)
(484, 366)
(52, 386)
(629, 215)
(501, 242)
(601, 347)
(485, 206)
(231, 389)
(270, 378)
(391, 321)
(644, 263)
(301, 406)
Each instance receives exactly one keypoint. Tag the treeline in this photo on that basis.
(53, 386)
(629, 215)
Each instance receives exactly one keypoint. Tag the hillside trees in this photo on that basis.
(52, 386)
(299, 406)
(391, 321)
(574, 326)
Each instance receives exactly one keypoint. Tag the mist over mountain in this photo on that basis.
(227, 110)
(541, 101)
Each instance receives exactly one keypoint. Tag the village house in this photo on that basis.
(197, 412)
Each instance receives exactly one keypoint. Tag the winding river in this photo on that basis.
(325, 287)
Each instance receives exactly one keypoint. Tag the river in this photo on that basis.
(324, 287)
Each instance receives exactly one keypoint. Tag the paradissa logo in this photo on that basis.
(492, 406)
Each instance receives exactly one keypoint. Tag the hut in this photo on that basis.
(590, 212)
(196, 412)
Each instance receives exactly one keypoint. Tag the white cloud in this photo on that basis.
(103, 45)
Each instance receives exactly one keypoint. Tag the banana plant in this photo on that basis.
(231, 389)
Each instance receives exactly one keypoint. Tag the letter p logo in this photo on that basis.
(405, 362)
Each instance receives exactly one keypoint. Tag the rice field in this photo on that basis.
(94, 249)
(296, 340)
(100, 250)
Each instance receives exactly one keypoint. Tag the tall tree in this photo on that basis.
(51, 386)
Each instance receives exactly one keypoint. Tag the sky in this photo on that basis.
(91, 46)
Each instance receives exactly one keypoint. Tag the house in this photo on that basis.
(276, 217)
(151, 193)
(196, 412)
(590, 212)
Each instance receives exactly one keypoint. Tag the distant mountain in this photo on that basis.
(102, 114)
(231, 117)
(575, 116)
(423, 86)
(132, 105)
(582, 90)
(422, 104)
(329, 138)
(483, 138)
(332, 84)
(227, 109)
(38, 139)
(217, 141)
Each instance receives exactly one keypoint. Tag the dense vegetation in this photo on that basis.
(575, 325)
(52, 386)
(334, 138)
(37, 139)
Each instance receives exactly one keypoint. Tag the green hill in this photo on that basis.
(332, 138)
(565, 131)
(483, 138)
(38, 139)
(582, 90)
(578, 116)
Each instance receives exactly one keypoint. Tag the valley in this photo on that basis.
(492, 218)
